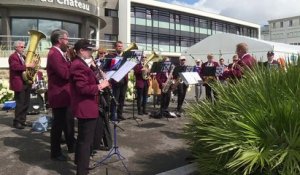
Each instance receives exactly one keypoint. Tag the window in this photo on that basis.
(111, 13)
(111, 37)
(281, 24)
(72, 28)
(274, 25)
(92, 33)
(290, 23)
(47, 26)
(21, 26)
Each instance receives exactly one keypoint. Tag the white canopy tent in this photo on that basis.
(224, 45)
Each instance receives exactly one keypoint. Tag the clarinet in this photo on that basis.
(102, 77)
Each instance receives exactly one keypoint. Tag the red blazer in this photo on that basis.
(58, 71)
(247, 61)
(84, 90)
(161, 78)
(16, 67)
(139, 81)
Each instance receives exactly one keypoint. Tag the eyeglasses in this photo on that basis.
(182, 60)
(22, 46)
(102, 52)
(65, 39)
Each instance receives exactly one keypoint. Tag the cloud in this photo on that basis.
(256, 11)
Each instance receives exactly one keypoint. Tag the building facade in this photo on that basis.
(284, 30)
(171, 29)
(153, 25)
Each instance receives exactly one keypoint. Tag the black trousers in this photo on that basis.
(165, 101)
(22, 99)
(181, 92)
(86, 131)
(119, 92)
(102, 132)
(209, 92)
(63, 121)
(142, 95)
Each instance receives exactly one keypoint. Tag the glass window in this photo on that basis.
(111, 12)
(281, 24)
(274, 25)
(72, 28)
(47, 26)
(149, 14)
(110, 37)
(21, 26)
(290, 23)
(140, 12)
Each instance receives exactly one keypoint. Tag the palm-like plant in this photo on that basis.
(253, 128)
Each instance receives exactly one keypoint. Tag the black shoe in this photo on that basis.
(104, 148)
(60, 158)
(18, 126)
(28, 124)
(121, 118)
(140, 113)
(144, 112)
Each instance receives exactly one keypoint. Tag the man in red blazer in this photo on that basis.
(246, 61)
(22, 90)
(208, 76)
(162, 78)
(141, 86)
(58, 71)
(84, 90)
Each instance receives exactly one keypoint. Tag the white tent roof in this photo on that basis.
(224, 45)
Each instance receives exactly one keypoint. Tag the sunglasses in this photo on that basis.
(102, 53)
(22, 46)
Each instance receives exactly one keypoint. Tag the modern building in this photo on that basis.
(171, 29)
(153, 25)
(283, 30)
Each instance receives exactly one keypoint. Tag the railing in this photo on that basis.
(7, 41)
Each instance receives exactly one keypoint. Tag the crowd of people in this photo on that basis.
(78, 88)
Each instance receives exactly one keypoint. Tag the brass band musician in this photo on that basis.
(207, 76)
(141, 86)
(163, 79)
(179, 85)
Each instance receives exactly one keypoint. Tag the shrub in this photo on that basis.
(253, 127)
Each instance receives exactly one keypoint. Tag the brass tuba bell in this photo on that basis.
(132, 46)
(31, 57)
(153, 57)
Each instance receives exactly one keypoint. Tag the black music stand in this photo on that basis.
(133, 110)
(115, 149)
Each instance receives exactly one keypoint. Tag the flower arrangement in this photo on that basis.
(130, 87)
(5, 93)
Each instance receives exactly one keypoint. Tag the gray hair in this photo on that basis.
(18, 43)
(56, 34)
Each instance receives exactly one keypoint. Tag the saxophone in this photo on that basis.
(31, 57)
(169, 81)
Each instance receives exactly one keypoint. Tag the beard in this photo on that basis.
(63, 47)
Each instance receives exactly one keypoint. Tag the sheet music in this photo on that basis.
(123, 70)
(109, 74)
(190, 77)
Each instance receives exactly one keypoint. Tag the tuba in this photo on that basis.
(31, 57)
(132, 46)
(145, 70)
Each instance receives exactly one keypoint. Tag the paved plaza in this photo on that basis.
(150, 147)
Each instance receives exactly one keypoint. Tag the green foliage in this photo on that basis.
(5, 93)
(253, 128)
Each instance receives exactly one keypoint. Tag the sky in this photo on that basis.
(255, 11)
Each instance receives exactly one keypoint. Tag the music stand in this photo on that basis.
(123, 69)
(114, 150)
